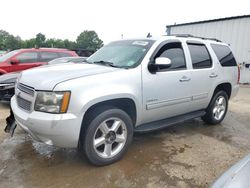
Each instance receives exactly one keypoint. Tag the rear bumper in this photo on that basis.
(60, 130)
(235, 90)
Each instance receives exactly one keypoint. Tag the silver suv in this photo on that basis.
(127, 86)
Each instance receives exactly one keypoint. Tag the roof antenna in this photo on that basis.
(149, 35)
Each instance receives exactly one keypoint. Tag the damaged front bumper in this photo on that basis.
(61, 130)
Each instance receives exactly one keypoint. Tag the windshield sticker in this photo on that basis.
(141, 43)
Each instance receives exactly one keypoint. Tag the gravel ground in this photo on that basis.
(190, 154)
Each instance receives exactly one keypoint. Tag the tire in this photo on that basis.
(107, 136)
(217, 109)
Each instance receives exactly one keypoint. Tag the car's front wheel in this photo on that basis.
(107, 136)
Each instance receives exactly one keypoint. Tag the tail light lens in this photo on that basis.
(238, 79)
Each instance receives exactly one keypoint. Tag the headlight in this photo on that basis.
(52, 102)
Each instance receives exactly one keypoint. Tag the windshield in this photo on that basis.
(8, 55)
(123, 54)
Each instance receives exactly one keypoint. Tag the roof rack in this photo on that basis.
(192, 36)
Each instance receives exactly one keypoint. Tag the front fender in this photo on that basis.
(103, 98)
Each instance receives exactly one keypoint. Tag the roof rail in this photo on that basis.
(192, 36)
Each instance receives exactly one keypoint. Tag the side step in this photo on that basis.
(161, 124)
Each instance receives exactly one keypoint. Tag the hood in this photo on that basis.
(9, 77)
(47, 77)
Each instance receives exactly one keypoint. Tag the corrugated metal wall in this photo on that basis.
(235, 32)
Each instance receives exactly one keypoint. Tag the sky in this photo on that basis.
(66, 19)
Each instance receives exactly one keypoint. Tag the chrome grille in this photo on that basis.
(23, 103)
(26, 89)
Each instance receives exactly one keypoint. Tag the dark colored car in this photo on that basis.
(22, 59)
(7, 85)
(84, 52)
(7, 81)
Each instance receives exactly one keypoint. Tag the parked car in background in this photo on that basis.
(7, 81)
(7, 85)
(2, 52)
(237, 176)
(22, 59)
(84, 52)
(127, 86)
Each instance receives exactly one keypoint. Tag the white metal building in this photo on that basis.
(232, 30)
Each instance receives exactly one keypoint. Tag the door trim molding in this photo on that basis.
(160, 104)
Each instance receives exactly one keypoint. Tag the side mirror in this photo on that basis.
(14, 61)
(160, 63)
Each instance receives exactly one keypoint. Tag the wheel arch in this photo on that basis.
(126, 104)
(226, 86)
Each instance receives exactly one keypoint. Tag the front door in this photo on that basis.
(167, 93)
(27, 60)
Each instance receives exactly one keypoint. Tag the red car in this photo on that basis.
(22, 59)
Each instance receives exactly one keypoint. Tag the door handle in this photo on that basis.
(213, 75)
(185, 79)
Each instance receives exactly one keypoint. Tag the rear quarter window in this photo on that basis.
(224, 55)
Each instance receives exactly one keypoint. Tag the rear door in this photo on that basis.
(26, 60)
(203, 75)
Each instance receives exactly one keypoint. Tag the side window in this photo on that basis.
(48, 56)
(63, 54)
(200, 56)
(224, 55)
(28, 57)
(175, 53)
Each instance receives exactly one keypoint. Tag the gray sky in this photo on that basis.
(109, 18)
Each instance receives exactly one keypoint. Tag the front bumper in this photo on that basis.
(60, 130)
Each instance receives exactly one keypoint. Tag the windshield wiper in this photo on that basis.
(106, 63)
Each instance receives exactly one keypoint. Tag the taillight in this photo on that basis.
(238, 79)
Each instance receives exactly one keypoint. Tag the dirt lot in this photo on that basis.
(191, 154)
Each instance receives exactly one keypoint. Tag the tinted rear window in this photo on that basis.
(224, 55)
(200, 56)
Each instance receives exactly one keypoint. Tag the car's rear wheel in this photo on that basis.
(107, 136)
(217, 108)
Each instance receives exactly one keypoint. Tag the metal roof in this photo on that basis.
(207, 21)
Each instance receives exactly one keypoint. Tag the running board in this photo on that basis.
(161, 124)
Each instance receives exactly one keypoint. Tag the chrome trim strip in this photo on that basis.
(26, 89)
(167, 103)
(7, 84)
(200, 96)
